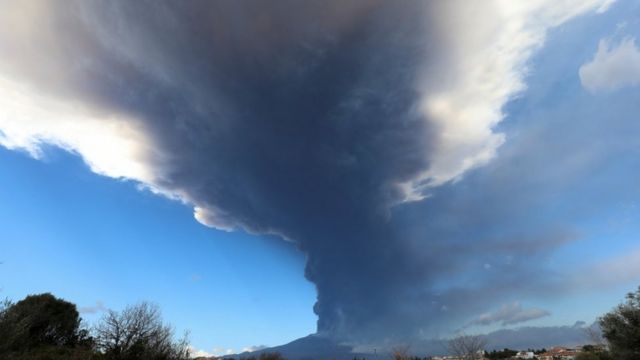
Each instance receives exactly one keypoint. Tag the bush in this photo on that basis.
(39, 321)
(56, 353)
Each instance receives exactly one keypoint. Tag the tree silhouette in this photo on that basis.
(621, 328)
(39, 321)
(138, 333)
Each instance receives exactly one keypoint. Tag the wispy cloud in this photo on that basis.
(254, 348)
(195, 352)
(484, 67)
(510, 314)
(222, 351)
(612, 67)
(98, 308)
(606, 273)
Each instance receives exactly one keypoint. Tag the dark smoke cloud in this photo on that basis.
(300, 119)
(287, 118)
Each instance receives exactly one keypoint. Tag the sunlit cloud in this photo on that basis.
(612, 67)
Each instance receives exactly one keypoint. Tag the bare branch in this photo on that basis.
(467, 347)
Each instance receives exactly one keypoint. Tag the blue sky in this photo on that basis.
(89, 239)
(330, 173)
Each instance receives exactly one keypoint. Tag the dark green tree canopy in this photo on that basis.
(38, 321)
(43, 327)
(621, 328)
(501, 354)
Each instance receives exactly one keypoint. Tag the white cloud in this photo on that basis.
(109, 143)
(99, 307)
(216, 351)
(199, 353)
(482, 67)
(254, 348)
(510, 314)
(612, 67)
(213, 217)
(222, 351)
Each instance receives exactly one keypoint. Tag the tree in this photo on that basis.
(400, 353)
(594, 334)
(621, 328)
(138, 333)
(4, 306)
(501, 354)
(593, 353)
(468, 347)
(587, 356)
(56, 353)
(271, 356)
(39, 321)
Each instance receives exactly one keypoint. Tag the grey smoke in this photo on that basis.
(300, 120)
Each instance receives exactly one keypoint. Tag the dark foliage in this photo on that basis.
(594, 352)
(40, 321)
(43, 327)
(56, 353)
(621, 328)
(501, 354)
(265, 356)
